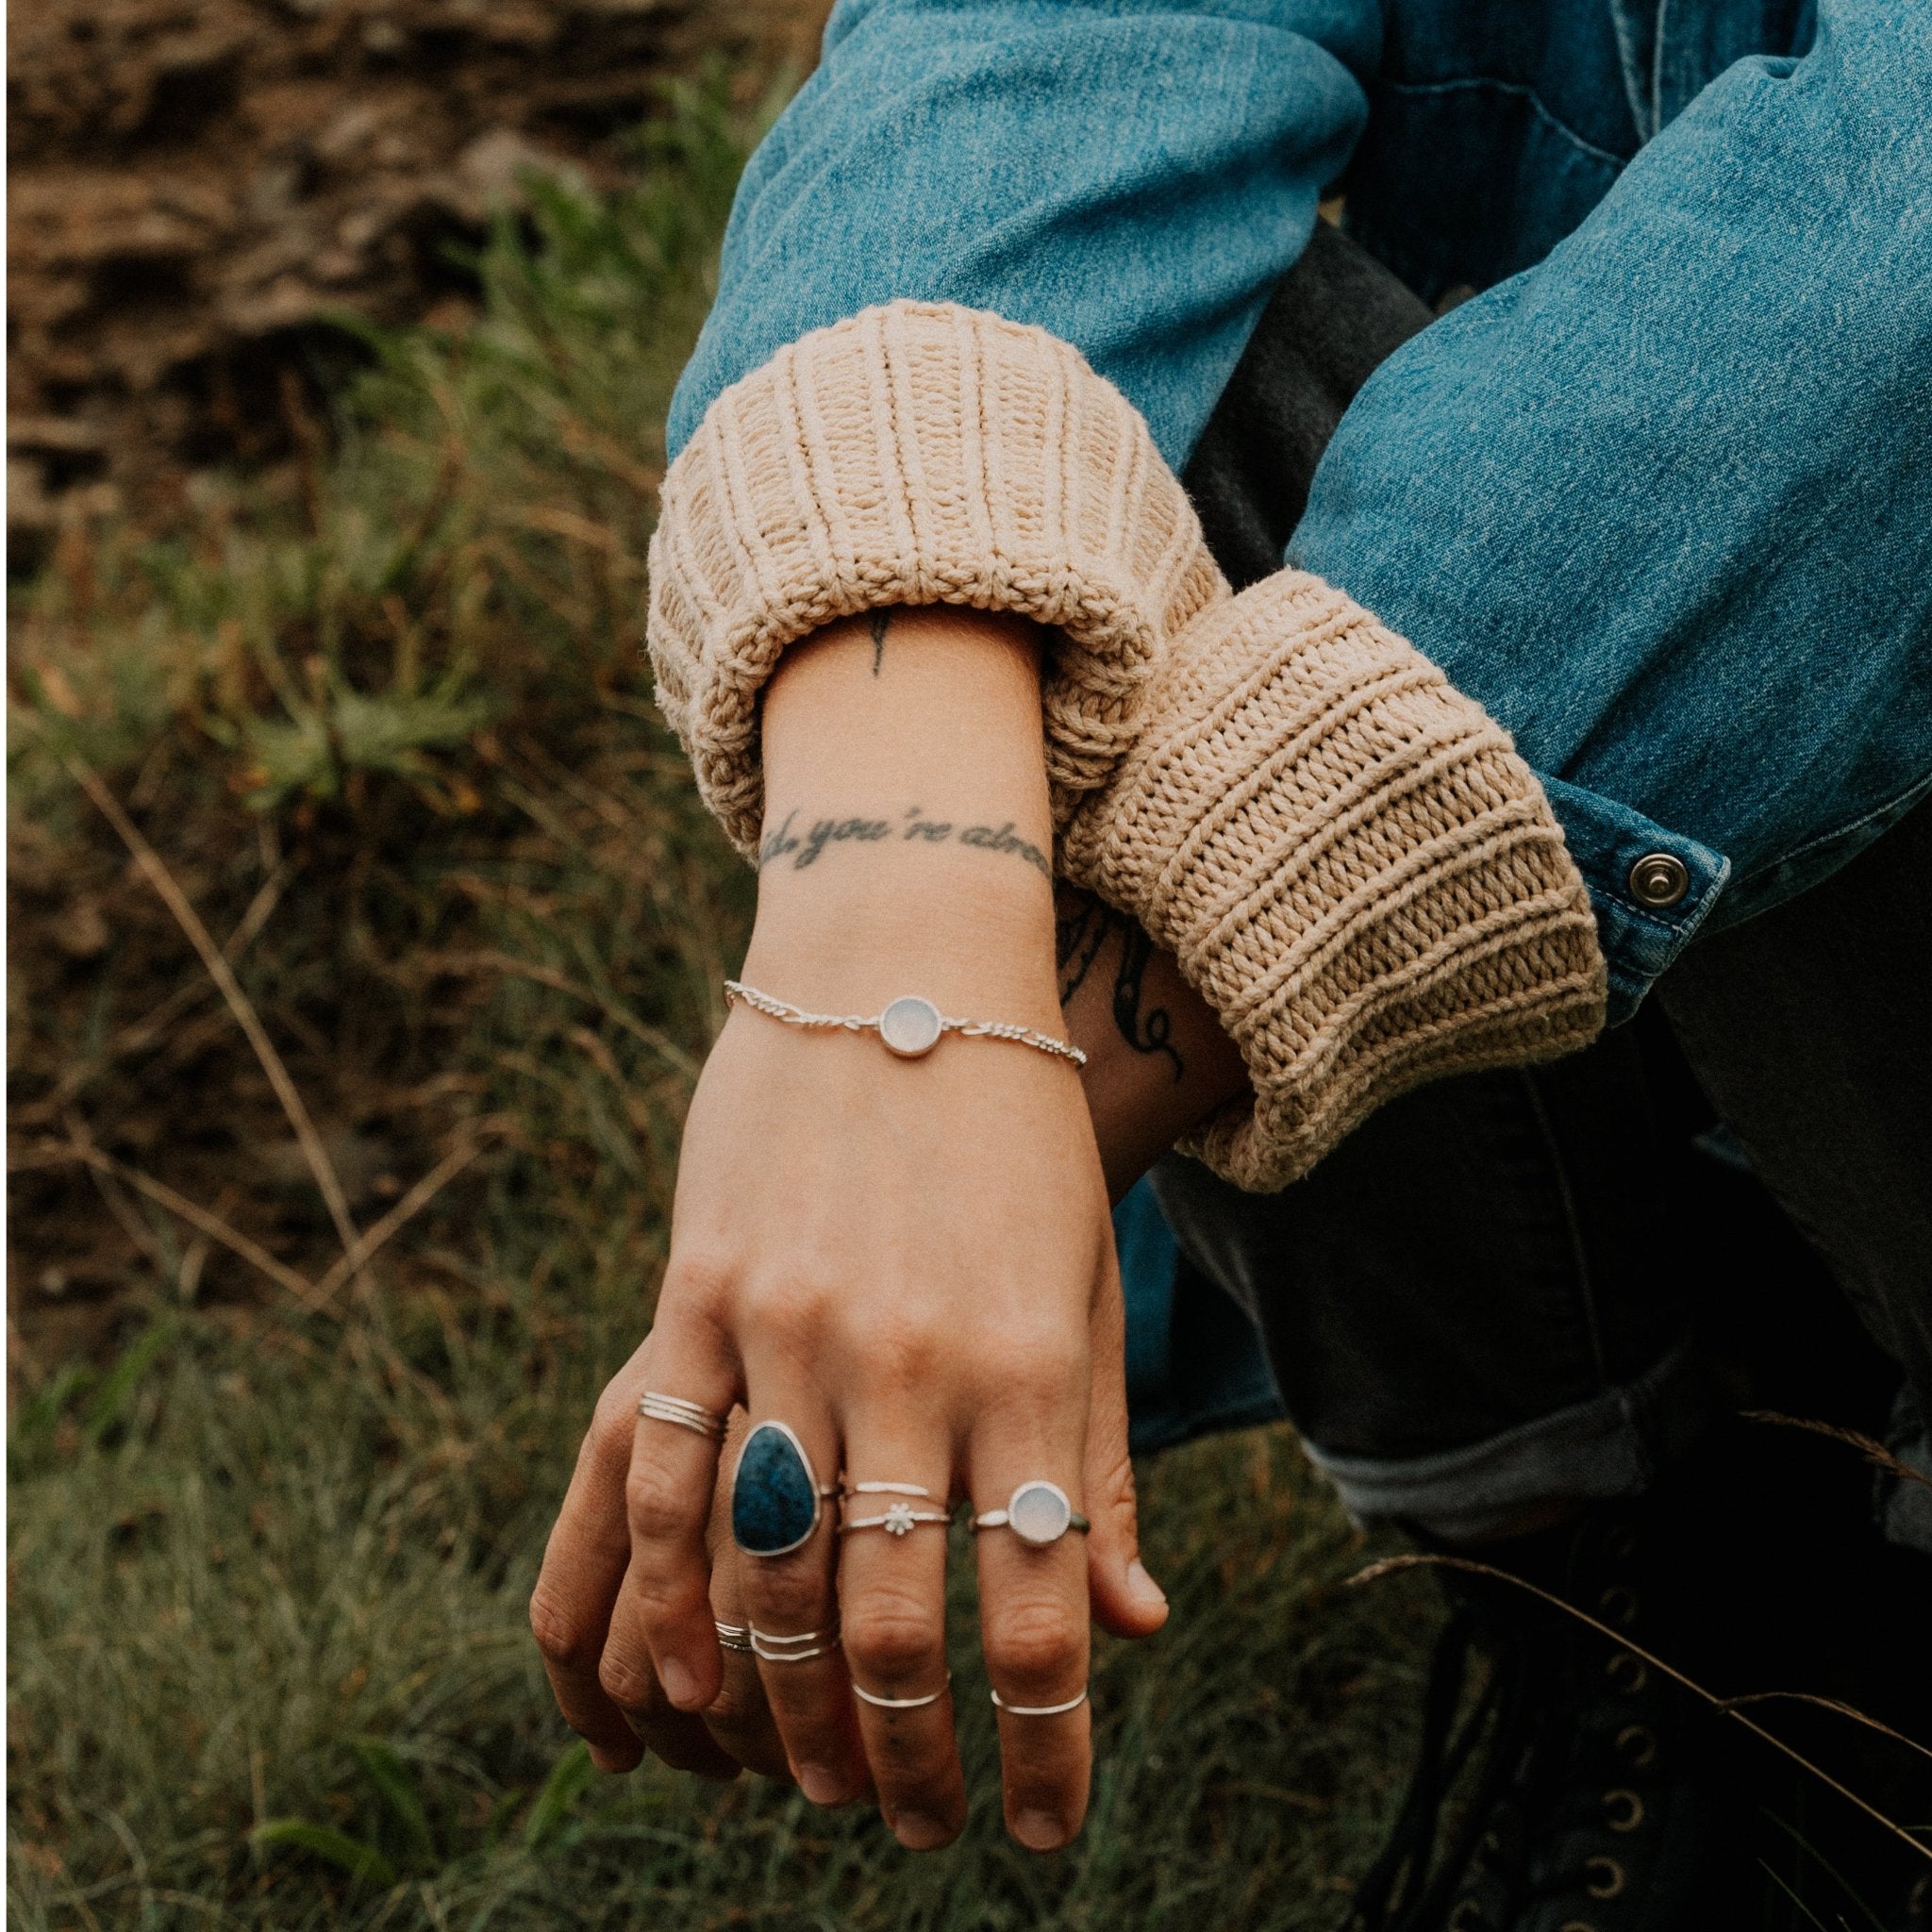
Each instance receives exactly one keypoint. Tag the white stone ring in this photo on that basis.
(1038, 1513)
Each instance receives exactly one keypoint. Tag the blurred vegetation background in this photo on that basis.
(366, 941)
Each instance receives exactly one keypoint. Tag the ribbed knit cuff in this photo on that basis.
(919, 454)
(1351, 864)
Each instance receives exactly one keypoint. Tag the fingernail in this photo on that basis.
(1143, 1588)
(821, 1785)
(919, 1831)
(1039, 1831)
(680, 1685)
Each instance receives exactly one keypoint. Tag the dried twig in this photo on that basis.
(1873, 1451)
(412, 1204)
(162, 880)
(211, 1225)
(1388, 1565)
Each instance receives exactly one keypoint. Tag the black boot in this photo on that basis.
(1564, 1784)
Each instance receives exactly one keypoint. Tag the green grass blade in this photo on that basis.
(360, 1861)
(571, 1772)
(117, 1389)
(394, 1786)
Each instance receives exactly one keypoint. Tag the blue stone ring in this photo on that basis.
(776, 1497)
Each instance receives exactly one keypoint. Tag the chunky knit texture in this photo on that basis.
(1345, 853)
(1351, 864)
(919, 455)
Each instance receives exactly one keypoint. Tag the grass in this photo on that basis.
(274, 1519)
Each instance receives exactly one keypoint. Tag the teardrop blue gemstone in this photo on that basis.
(774, 1495)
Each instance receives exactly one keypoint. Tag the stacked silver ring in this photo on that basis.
(733, 1636)
(792, 1649)
(686, 1415)
(899, 1519)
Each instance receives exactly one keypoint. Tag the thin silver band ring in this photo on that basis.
(658, 1407)
(1038, 1709)
(733, 1636)
(865, 1696)
(792, 1649)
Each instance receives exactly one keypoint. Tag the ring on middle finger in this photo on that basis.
(777, 1498)
(899, 1517)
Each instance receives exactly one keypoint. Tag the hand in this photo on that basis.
(904, 1261)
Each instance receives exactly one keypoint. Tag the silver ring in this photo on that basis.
(792, 1649)
(902, 1519)
(1038, 1513)
(687, 1415)
(733, 1636)
(1038, 1709)
(889, 1490)
(865, 1696)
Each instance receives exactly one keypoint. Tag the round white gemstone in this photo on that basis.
(911, 1027)
(898, 1519)
(1040, 1512)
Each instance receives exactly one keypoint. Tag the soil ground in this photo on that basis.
(197, 184)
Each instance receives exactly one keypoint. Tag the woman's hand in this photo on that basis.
(904, 1261)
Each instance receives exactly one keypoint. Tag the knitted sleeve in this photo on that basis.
(1345, 854)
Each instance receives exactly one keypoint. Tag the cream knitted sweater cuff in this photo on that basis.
(1351, 864)
(1345, 854)
(919, 454)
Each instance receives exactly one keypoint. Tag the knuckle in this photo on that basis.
(785, 1597)
(792, 1308)
(697, 1281)
(1035, 1372)
(629, 1682)
(614, 1427)
(902, 1353)
(1031, 1641)
(658, 1509)
(889, 1638)
(564, 1637)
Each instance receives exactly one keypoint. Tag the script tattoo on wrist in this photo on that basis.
(1082, 929)
(803, 846)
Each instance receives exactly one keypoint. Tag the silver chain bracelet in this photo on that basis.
(909, 1026)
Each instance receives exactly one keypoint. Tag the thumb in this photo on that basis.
(1126, 1601)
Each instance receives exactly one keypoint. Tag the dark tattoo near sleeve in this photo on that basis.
(805, 848)
(881, 624)
(1082, 926)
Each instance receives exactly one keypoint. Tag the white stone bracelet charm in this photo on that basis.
(911, 1027)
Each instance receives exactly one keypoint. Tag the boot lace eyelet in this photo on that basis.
(1618, 1604)
(1623, 1810)
(1637, 1742)
(1627, 1671)
(1603, 1879)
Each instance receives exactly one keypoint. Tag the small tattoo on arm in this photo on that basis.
(881, 624)
(804, 847)
(1082, 927)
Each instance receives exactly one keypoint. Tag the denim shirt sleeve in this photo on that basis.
(1662, 504)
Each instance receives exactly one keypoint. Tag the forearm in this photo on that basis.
(907, 833)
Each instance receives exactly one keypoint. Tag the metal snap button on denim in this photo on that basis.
(1660, 879)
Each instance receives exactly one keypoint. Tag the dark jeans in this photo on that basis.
(1527, 1285)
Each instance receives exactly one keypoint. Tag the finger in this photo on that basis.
(682, 1738)
(667, 1496)
(785, 1528)
(892, 1600)
(1034, 1618)
(739, 1718)
(584, 1566)
(1126, 1600)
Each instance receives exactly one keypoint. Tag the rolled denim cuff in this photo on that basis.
(1614, 1444)
(1651, 890)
